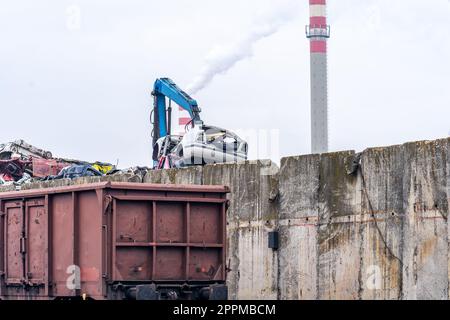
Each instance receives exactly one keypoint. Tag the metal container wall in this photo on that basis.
(110, 234)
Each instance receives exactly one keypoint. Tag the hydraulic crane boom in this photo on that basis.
(166, 88)
(163, 88)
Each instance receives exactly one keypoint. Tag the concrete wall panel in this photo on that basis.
(381, 178)
(425, 258)
(339, 233)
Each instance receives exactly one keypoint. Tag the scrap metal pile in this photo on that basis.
(22, 163)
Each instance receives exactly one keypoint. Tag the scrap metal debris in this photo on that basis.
(47, 167)
(23, 149)
(13, 169)
(77, 171)
(200, 145)
(22, 163)
(103, 168)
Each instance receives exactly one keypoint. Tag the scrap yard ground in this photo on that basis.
(351, 226)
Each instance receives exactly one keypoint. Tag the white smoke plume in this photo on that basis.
(223, 58)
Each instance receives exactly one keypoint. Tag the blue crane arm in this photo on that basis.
(166, 87)
(163, 88)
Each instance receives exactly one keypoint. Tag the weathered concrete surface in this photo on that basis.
(381, 233)
(252, 214)
(381, 188)
(425, 256)
(377, 230)
(299, 215)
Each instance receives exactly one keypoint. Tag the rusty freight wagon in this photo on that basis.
(114, 241)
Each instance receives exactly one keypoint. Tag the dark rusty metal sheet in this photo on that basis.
(47, 167)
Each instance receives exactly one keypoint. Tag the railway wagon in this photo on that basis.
(114, 241)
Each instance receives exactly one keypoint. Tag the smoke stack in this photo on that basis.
(318, 33)
(183, 119)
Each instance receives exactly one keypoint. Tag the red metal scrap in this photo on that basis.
(14, 168)
(47, 167)
(6, 177)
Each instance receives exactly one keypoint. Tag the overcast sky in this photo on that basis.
(81, 87)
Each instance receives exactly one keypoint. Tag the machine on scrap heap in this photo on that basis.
(201, 144)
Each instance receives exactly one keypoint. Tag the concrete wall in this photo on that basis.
(379, 233)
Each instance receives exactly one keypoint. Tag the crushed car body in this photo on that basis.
(25, 150)
(208, 145)
(199, 146)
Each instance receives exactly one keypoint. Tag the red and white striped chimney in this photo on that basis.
(318, 31)
(183, 119)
